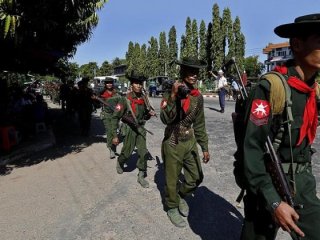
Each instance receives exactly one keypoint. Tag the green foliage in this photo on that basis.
(172, 52)
(252, 66)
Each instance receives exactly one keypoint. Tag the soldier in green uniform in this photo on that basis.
(133, 107)
(183, 113)
(265, 211)
(107, 112)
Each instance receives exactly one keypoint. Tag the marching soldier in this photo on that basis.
(108, 93)
(132, 107)
(183, 113)
(265, 210)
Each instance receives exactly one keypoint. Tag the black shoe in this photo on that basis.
(222, 110)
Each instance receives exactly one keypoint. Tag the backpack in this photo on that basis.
(280, 101)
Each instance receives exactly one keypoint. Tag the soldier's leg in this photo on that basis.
(142, 159)
(128, 146)
(258, 223)
(172, 158)
(192, 169)
(309, 215)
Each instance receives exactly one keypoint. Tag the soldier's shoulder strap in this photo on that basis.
(280, 93)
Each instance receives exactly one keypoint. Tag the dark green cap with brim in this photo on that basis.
(302, 26)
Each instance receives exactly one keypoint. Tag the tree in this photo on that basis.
(152, 53)
(202, 48)
(163, 54)
(89, 70)
(188, 40)
(240, 42)
(217, 54)
(195, 40)
(106, 69)
(35, 35)
(172, 52)
(129, 57)
(252, 66)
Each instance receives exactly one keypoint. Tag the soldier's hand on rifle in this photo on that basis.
(286, 217)
(152, 113)
(206, 157)
(174, 90)
(115, 141)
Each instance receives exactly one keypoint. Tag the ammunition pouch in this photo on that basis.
(178, 132)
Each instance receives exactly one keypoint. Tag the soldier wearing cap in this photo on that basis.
(265, 211)
(134, 107)
(108, 92)
(183, 113)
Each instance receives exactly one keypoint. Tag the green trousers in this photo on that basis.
(134, 139)
(182, 156)
(258, 223)
(107, 124)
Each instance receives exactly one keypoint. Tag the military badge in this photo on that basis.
(118, 107)
(163, 104)
(260, 111)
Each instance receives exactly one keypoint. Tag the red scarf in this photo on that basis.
(135, 101)
(310, 114)
(186, 102)
(107, 95)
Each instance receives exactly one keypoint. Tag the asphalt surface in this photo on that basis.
(72, 191)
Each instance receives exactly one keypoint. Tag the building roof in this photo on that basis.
(272, 46)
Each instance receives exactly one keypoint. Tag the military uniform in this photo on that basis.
(185, 128)
(134, 137)
(107, 112)
(261, 193)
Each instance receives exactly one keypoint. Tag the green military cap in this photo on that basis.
(108, 80)
(135, 78)
(191, 62)
(302, 26)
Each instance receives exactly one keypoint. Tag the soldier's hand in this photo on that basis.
(286, 217)
(115, 141)
(152, 113)
(206, 157)
(174, 90)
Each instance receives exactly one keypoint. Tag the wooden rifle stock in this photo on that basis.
(147, 102)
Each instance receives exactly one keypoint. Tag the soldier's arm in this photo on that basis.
(200, 132)
(254, 145)
(168, 109)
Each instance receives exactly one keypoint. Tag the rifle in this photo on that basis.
(126, 118)
(147, 102)
(273, 163)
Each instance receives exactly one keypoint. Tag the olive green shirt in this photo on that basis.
(171, 113)
(119, 106)
(256, 135)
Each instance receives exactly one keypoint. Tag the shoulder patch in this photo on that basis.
(118, 107)
(260, 111)
(163, 104)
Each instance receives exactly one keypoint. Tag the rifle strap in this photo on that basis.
(276, 94)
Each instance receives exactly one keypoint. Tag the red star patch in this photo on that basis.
(260, 111)
(118, 107)
(163, 104)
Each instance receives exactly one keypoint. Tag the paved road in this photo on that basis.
(72, 191)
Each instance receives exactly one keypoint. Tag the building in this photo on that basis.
(277, 54)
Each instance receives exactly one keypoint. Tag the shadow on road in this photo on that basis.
(68, 140)
(212, 217)
(214, 109)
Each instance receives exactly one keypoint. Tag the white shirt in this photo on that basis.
(222, 82)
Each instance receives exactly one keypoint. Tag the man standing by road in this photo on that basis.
(265, 211)
(183, 113)
(222, 84)
(133, 107)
